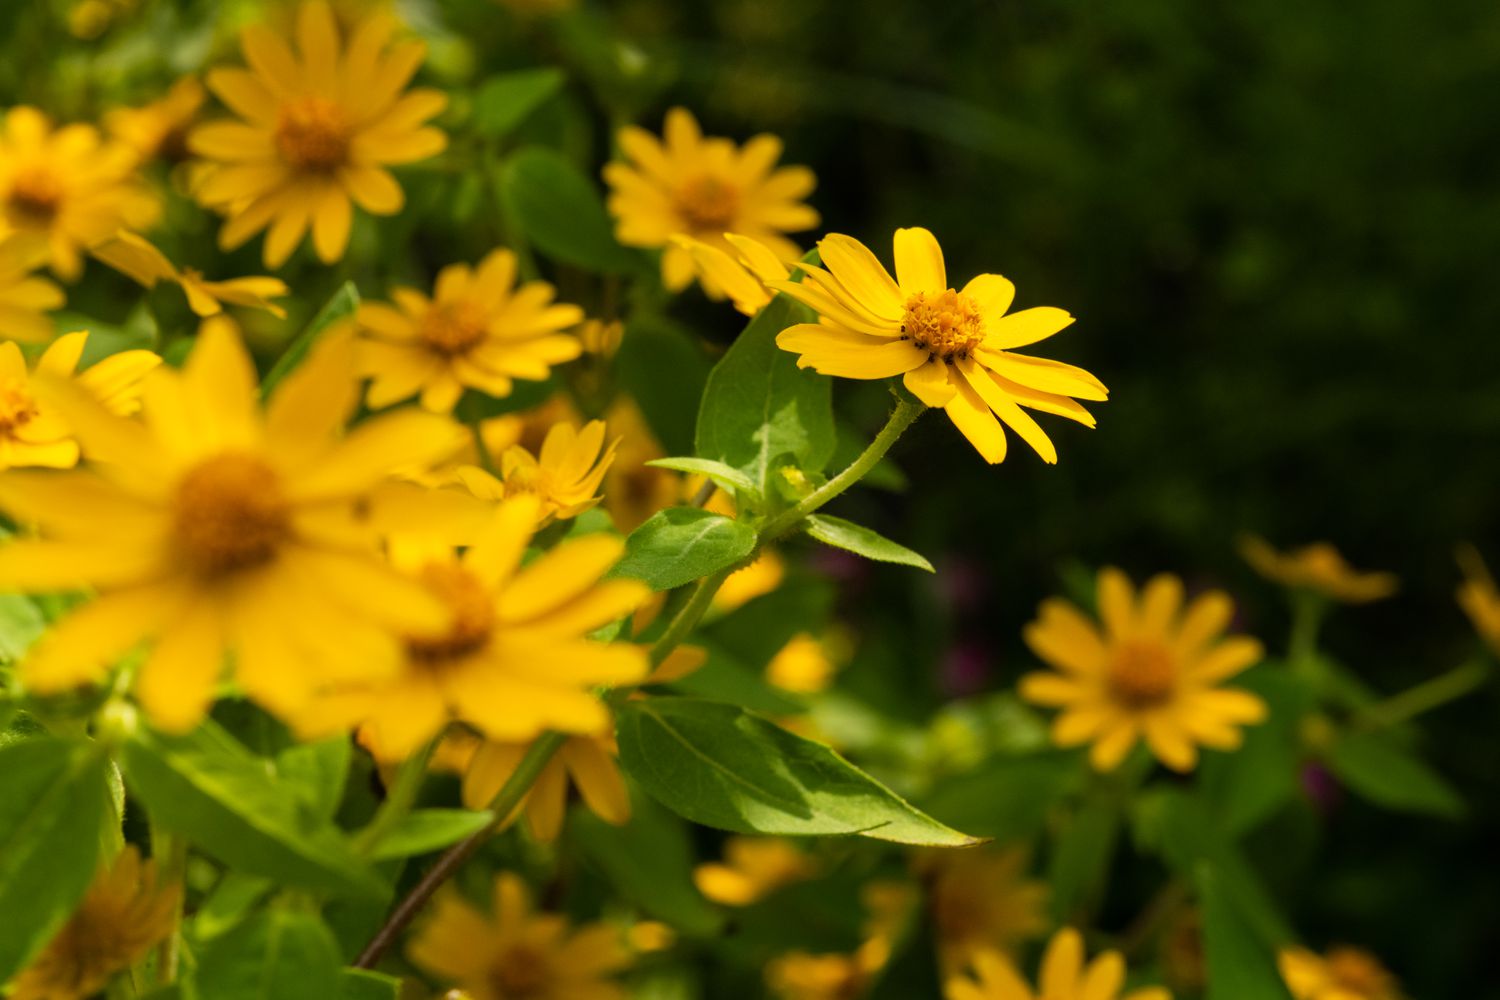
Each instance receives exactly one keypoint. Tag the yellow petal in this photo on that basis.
(919, 262)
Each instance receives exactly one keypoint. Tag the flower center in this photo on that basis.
(708, 203)
(312, 133)
(1357, 973)
(230, 513)
(16, 406)
(946, 325)
(521, 972)
(1142, 674)
(35, 195)
(473, 609)
(452, 328)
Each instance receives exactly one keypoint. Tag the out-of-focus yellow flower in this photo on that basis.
(68, 187)
(479, 330)
(1342, 974)
(1153, 671)
(803, 666)
(586, 761)
(1064, 976)
(317, 131)
(136, 258)
(212, 527)
(516, 952)
(740, 273)
(1479, 597)
(158, 130)
(32, 432)
(744, 585)
(953, 349)
(689, 185)
(753, 868)
(982, 900)
(633, 490)
(650, 935)
(564, 475)
(601, 337)
(26, 297)
(1318, 567)
(126, 911)
(804, 976)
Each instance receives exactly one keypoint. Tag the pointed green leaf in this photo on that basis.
(1380, 770)
(681, 544)
(560, 210)
(722, 475)
(318, 771)
(276, 955)
(20, 623)
(425, 830)
(505, 100)
(1240, 965)
(362, 984)
(340, 307)
(862, 541)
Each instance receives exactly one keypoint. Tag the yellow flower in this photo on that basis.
(159, 130)
(601, 337)
(745, 585)
(1153, 671)
(212, 527)
(704, 187)
(954, 349)
(981, 900)
(513, 659)
(565, 475)
(1479, 598)
(68, 187)
(318, 129)
(740, 273)
(802, 665)
(26, 298)
(516, 952)
(1318, 567)
(587, 759)
(1342, 974)
(1064, 976)
(800, 975)
(136, 258)
(633, 490)
(753, 868)
(477, 331)
(126, 911)
(32, 432)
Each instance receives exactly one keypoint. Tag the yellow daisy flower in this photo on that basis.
(564, 475)
(1318, 567)
(68, 186)
(953, 349)
(586, 761)
(704, 187)
(478, 331)
(752, 869)
(158, 130)
(318, 128)
(1153, 671)
(802, 665)
(25, 297)
(1479, 597)
(516, 952)
(214, 527)
(125, 912)
(1064, 976)
(136, 258)
(1343, 974)
(32, 432)
(740, 273)
(601, 338)
(982, 900)
(800, 975)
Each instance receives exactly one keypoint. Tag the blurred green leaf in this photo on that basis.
(1246, 786)
(276, 955)
(1380, 770)
(682, 544)
(341, 306)
(504, 100)
(317, 770)
(1006, 797)
(723, 476)
(233, 896)
(1240, 965)
(1080, 857)
(862, 541)
(723, 678)
(663, 367)
(362, 984)
(21, 622)
(425, 830)
(559, 210)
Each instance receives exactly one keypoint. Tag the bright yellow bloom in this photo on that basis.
(689, 185)
(32, 432)
(565, 474)
(740, 273)
(317, 129)
(1153, 670)
(586, 761)
(515, 952)
(159, 130)
(478, 331)
(1479, 597)
(745, 585)
(1064, 976)
(126, 911)
(136, 258)
(981, 900)
(753, 868)
(954, 349)
(212, 527)
(1318, 567)
(25, 298)
(1342, 974)
(802, 665)
(68, 187)
(601, 337)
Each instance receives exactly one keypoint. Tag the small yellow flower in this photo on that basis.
(515, 952)
(126, 911)
(25, 297)
(564, 475)
(586, 761)
(802, 666)
(1153, 671)
(1064, 976)
(745, 585)
(981, 900)
(1318, 567)
(601, 338)
(740, 273)
(1342, 974)
(136, 258)
(689, 185)
(32, 432)
(159, 130)
(633, 490)
(1479, 597)
(318, 128)
(68, 187)
(479, 330)
(800, 975)
(953, 349)
(753, 868)
(213, 527)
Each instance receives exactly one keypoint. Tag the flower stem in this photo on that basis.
(399, 797)
(1302, 645)
(1426, 696)
(170, 853)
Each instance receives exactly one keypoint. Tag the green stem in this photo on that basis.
(170, 853)
(398, 798)
(486, 460)
(1424, 697)
(1302, 644)
(688, 616)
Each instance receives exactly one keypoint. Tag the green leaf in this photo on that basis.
(721, 474)
(662, 366)
(1245, 787)
(276, 955)
(560, 211)
(1240, 965)
(362, 984)
(862, 541)
(723, 767)
(758, 405)
(1081, 856)
(232, 897)
(341, 306)
(52, 813)
(1007, 797)
(21, 622)
(723, 678)
(505, 100)
(208, 788)
(317, 770)
(425, 830)
(682, 544)
(1386, 774)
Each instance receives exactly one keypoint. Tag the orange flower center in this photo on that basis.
(708, 204)
(230, 513)
(1142, 674)
(17, 407)
(35, 195)
(451, 328)
(520, 973)
(947, 325)
(1358, 973)
(312, 133)
(473, 609)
